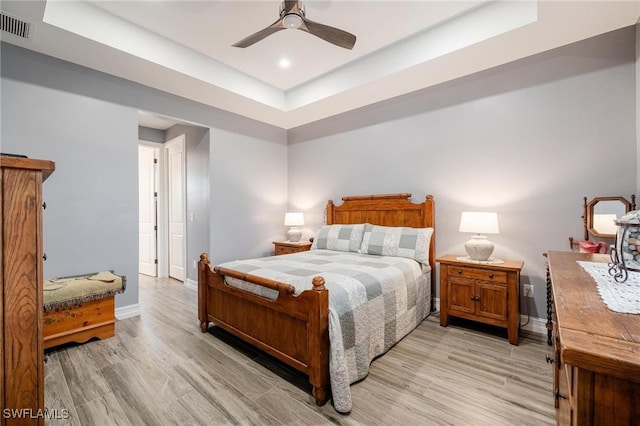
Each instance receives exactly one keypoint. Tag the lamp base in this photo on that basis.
(479, 248)
(294, 234)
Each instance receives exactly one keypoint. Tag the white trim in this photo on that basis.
(536, 325)
(191, 284)
(180, 140)
(128, 311)
(161, 253)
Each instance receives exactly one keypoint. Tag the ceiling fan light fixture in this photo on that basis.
(292, 21)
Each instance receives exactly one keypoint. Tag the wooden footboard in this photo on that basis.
(294, 329)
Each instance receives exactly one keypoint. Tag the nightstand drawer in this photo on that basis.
(286, 247)
(285, 250)
(477, 274)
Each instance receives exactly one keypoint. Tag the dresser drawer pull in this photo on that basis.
(558, 395)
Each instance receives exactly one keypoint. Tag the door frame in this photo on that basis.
(178, 140)
(163, 264)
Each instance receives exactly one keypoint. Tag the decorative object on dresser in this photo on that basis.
(294, 219)
(487, 293)
(294, 325)
(288, 247)
(21, 346)
(625, 252)
(598, 221)
(596, 351)
(479, 248)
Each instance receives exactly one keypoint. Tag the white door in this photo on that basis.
(176, 163)
(147, 183)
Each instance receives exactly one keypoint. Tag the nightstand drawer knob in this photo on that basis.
(459, 271)
(490, 275)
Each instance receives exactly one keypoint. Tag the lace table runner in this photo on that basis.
(620, 297)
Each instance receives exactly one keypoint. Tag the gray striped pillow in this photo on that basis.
(400, 241)
(339, 237)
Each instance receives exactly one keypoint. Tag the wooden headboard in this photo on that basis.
(386, 210)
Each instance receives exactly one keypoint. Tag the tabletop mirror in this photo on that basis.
(600, 213)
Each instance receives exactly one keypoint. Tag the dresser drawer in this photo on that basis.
(477, 274)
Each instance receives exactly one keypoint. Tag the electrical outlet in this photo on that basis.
(528, 290)
(195, 264)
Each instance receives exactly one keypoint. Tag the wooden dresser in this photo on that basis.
(21, 306)
(596, 351)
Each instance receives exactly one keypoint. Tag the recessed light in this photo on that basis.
(284, 63)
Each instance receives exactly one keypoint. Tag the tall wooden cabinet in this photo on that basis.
(596, 358)
(21, 308)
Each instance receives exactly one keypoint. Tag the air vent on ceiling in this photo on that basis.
(13, 25)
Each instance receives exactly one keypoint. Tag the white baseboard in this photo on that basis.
(128, 311)
(191, 284)
(535, 325)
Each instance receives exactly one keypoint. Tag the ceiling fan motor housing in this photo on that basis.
(294, 18)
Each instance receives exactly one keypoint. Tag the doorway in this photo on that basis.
(148, 157)
(175, 154)
(162, 208)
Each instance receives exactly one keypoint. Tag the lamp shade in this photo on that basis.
(479, 222)
(294, 219)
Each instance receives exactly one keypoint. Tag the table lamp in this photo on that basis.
(479, 248)
(294, 219)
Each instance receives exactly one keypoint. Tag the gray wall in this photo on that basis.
(86, 121)
(90, 223)
(151, 135)
(529, 140)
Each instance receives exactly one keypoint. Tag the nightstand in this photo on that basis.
(487, 293)
(287, 247)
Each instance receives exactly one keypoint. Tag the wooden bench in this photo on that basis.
(80, 308)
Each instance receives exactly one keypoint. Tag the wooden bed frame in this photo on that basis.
(295, 329)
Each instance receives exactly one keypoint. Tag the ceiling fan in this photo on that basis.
(292, 17)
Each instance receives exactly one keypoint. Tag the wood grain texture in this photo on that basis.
(21, 369)
(597, 368)
(160, 368)
(91, 319)
(293, 328)
(489, 293)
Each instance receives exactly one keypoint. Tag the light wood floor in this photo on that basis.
(160, 369)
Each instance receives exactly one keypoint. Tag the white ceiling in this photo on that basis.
(184, 47)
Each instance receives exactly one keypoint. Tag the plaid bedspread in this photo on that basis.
(374, 301)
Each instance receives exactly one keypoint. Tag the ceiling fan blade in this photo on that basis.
(332, 35)
(256, 37)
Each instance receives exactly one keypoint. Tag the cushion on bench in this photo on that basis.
(60, 293)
